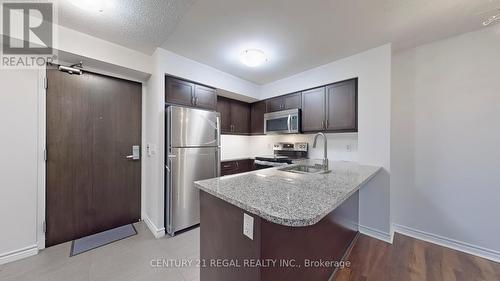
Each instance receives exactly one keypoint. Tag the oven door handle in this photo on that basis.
(289, 123)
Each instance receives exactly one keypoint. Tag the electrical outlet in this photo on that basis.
(248, 226)
(348, 148)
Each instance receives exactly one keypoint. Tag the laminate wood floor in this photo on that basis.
(409, 259)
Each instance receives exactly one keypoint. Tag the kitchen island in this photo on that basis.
(278, 225)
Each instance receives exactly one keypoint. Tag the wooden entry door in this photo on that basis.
(92, 123)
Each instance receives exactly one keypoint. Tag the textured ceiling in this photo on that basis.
(297, 35)
(142, 25)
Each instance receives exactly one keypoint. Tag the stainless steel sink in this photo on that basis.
(305, 169)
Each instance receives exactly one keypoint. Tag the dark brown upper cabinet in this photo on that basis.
(179, 91)
(342, 106)
(205, 97)
(257, 111)
(313, 110)
(235, 116)
(224, 108)
(183, 92)
(290, 101)
(332, 108)
(240, 117)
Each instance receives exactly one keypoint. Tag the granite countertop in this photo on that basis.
(291, 199)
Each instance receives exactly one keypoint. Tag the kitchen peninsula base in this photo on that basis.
(277, 252)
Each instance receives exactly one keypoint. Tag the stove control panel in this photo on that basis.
(283, 146)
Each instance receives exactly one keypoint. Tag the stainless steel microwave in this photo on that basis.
(282, 122)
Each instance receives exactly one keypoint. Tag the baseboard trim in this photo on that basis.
(156, 231)
(18, 254)
(375, 233)
(475, 250)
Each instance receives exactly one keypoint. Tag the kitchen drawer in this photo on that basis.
(228, 168)
(236, 167)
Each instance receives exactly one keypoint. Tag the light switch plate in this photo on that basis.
(248, 226)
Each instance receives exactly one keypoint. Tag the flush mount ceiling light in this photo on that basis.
(253, 57)
(92, 5)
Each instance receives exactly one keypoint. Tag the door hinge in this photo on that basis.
(44, 227)
(45, 83)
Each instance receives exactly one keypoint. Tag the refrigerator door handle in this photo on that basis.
(217, 129)
(217, 162)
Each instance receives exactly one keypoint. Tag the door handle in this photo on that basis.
(136, 153)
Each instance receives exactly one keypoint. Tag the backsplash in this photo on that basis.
(234, 147)
(340, 146)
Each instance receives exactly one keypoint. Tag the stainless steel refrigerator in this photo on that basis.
(192, 154)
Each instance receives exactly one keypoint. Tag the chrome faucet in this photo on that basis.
(325, 147)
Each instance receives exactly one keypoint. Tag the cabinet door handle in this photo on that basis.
(192, 100)
(196, 101)
(322, 124)
(326, 124)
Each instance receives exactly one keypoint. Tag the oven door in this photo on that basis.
(282, 122)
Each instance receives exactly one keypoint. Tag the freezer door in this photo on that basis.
(192, 127)
(186, 166)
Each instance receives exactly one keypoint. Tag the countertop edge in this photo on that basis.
(283, 221)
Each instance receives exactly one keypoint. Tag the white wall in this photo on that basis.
(445, 141)
(82, 44)
(165, 62)
(19, 163)
(373, 68)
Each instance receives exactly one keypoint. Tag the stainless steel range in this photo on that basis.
(283, 154)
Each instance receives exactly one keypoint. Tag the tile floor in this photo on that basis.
(126, 260)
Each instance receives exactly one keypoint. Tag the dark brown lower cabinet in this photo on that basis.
(236, 167)
(292, 248)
